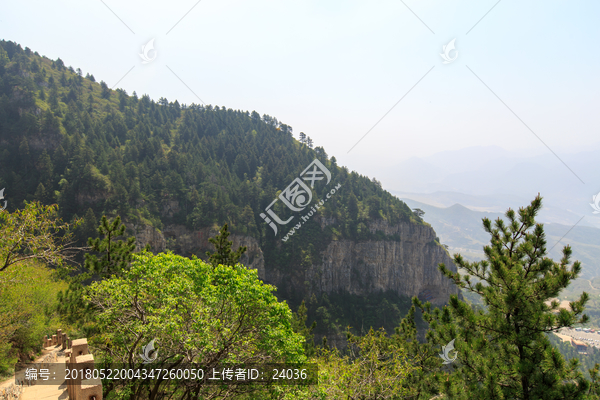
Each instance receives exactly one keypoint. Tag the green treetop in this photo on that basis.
(196, 313)
(116, 255)
(223, 254)
(503, 351)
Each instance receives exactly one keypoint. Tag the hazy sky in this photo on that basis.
(332, 69)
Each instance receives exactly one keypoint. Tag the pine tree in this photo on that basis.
(299, 326)
(223, 254)
(40, 193)
(503, 351)
(88, 228)
(116, 255)
(302, 137)
(71, 304)
(105, 90)
(418, 212)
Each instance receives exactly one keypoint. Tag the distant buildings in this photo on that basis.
(580, 346)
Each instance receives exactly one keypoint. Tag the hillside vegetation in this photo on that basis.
(67, 139)
(97, 152)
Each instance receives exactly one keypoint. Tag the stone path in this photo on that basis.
(48, 392)
(43, 392)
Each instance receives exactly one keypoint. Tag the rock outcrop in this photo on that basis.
(145, 234)
(408, 267)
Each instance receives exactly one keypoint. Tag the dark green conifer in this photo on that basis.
(115, 257)
(299, 326)
(223, 254)
(503, 351)
(115, 254)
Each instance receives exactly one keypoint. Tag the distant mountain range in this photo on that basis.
(490, 178)
(461, 229)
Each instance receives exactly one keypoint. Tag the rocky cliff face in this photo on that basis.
(408, 267)
(187, 243)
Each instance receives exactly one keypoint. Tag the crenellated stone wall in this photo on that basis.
(77, 356)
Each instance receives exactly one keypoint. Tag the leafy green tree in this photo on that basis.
(300, 327)
(195, 313)
(374, 368)
(503, 351)
(35, 232)
(27, 310)
(223, 254)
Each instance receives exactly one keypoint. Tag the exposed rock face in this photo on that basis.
(187, 243)
(408, 267)
(145, 234)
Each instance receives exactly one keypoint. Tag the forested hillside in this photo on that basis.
(68, 139)
(96, 152)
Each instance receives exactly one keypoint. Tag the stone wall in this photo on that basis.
(12, 392)
(77, 356)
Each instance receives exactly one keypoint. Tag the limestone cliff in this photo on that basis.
(409, 266)
(187, 243)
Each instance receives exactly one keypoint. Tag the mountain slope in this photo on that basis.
(177, 172)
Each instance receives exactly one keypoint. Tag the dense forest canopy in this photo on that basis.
(71, 140)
